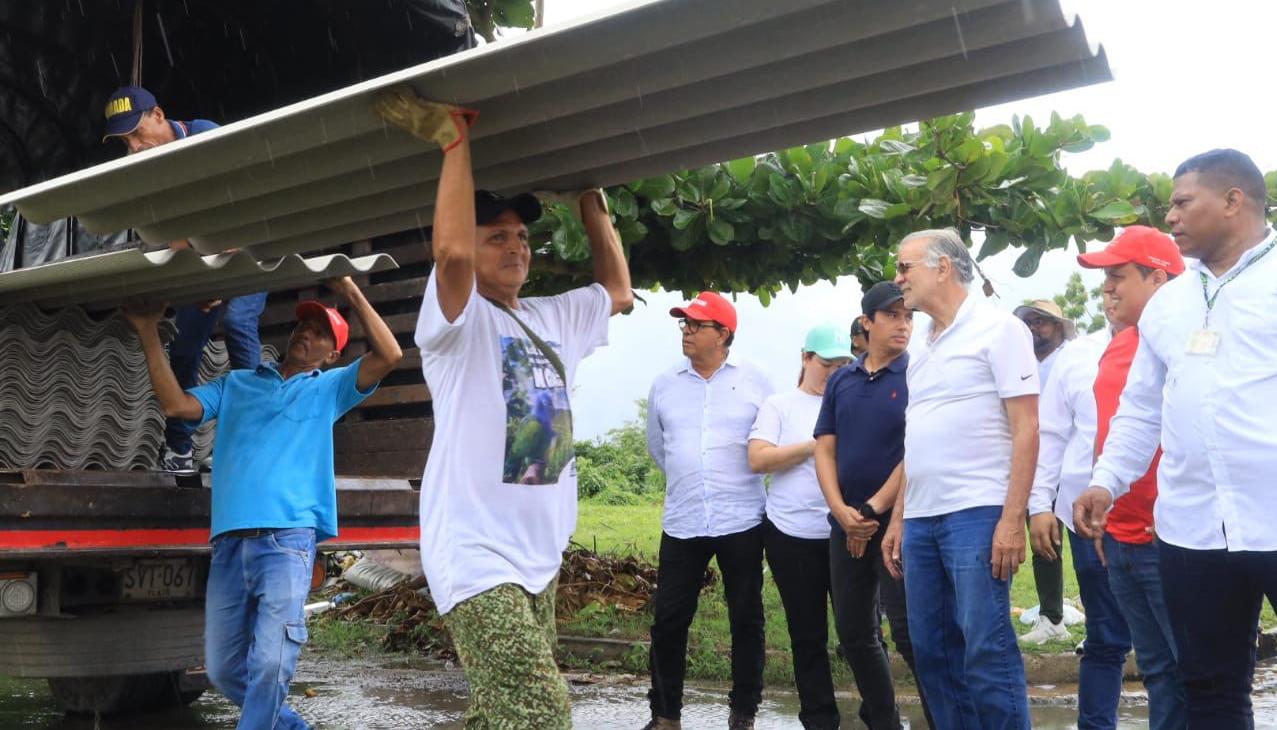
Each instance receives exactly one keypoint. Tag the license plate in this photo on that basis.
(149, 580)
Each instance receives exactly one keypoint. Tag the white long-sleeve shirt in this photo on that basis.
(1215, 416)
(1066, 428)
(698, 433)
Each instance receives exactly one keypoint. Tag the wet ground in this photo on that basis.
(394, 693)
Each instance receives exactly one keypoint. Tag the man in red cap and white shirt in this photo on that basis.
(274, 491)
(699, 415)
(1136, 265)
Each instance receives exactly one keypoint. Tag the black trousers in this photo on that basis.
(678, 584)
(857, 585)
(800, 568)
(1214, 598)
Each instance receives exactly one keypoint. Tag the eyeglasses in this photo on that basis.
(904, 267)
(1034, 323)
(694, 325)
(835, 363)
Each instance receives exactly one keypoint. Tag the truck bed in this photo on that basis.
(52, 513)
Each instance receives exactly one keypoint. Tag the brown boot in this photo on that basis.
(663, 723)
(740, 721)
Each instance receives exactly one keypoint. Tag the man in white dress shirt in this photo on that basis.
(1067, 424)
(971, 443)
(1051, 331)
(1204, 383)
(699, 414)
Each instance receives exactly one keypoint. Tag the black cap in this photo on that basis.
(880, 296)
(488, 205)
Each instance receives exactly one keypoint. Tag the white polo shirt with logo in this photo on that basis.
(957, 435)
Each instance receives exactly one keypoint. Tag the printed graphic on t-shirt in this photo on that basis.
(538, 424)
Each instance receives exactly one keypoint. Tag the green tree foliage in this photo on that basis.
(822, 211)
(617, 468)
(1084, 307)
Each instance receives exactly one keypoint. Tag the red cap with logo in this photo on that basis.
(1138, 245)
(708, 306)
(336, 323)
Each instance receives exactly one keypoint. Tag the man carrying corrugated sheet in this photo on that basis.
(498, 499)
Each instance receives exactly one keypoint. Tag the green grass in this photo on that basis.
(346, 638)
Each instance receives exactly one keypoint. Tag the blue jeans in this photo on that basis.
(255, 622)
(1213, 598)
(239, 318)
(960, 621)
(1137, 586)
(1108, 640)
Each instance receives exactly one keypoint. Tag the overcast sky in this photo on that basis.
(1190, 76)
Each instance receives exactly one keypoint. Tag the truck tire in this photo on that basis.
(122, 693)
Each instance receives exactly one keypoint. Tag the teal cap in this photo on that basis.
(828, 341)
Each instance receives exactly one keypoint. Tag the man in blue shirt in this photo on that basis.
(135, 118)
(859, 449)
(274, 491)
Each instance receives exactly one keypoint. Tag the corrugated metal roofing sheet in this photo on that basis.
(178, 277)
(653, 88)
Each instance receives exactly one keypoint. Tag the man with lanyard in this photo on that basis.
(860, 443)
(1203, 383)
(971, 444)
(699, 415)
(1067, 423)
(135, 118)
(1136, 264)
(499, 494)
(1051, 331)
(273, 490)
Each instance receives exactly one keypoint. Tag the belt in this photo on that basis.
(251, 533)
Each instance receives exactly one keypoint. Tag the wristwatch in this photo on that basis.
(867, 511)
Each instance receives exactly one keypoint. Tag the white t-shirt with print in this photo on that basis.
(957, 435)
(795, 503)
(498, 498)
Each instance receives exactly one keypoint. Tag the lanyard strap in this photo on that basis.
(542, 345)
(1210, 298)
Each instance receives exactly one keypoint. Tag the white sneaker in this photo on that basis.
(1043, 631)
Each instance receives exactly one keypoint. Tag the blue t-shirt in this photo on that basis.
(273, 453)
(866, 412)
(195, 126)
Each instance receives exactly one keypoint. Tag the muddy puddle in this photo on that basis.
(390, 693)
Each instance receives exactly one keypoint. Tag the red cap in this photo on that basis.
(1137, 245)
(708, 306)
(336, 322)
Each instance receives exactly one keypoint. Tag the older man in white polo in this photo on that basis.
(971, 441)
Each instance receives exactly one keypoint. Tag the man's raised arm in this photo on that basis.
(454, 222)
(610, 268)
(175, 402)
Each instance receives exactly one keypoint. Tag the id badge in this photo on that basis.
(1204, 343)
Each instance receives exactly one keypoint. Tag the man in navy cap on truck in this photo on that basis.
(135, 118)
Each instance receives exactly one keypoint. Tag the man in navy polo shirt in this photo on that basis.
(859, 450)
(274, 495)
(135, 118)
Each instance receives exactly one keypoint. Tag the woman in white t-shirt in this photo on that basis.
(796, 528)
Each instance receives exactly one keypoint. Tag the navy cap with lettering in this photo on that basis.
(124, 110)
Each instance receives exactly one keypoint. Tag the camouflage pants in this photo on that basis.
(505, 638)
